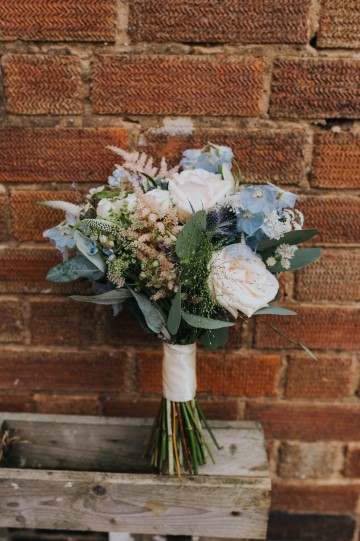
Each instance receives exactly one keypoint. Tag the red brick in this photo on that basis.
(247, 21)
(331, 377)
(352, 462)
(336, 218)
(59, 20)
(29, 220)
(339, 24)
(336, 160)
(317, 327)
(262, 155)
(218, 374)
(315, 88)
(23, 270)
(322, 498)
(11, 321)
(58, 154)
(4, 217)
(312, 527)
(165, 85)
(307, 422)
(329, 277)
(63, 370)
(14, 401)
(62, 322)
(123, 329)
(67, 404)
(309, 460)
(41, 85)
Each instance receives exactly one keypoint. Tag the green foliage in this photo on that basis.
(301, 258)
(109, 297)
(78, 267)
(82, 244)
(152, 316)
(174, 317)
(274, 310)
(215, 338)
(200, 322)
(191, 235)
(292, 237)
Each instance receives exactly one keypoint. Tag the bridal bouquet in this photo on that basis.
(186, 252)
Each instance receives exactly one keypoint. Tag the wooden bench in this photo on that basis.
(86, 473)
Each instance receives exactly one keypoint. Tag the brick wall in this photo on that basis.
(280, 83)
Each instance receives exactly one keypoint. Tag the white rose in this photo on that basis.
(107, 207)
(131, 202)
(161, 198)
(240, 281)
(197, 189)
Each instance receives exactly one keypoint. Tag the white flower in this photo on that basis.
(286, 250)
(93, 191)
(271, 261)
(130, 202)
(197, 189)
(240, 281)
(161, 199)
(274, 227)
(107, 207)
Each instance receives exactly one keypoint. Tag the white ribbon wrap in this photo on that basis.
(179, 372)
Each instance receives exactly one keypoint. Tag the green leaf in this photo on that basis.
(151, 314)
(292, 237)
(298, 344)
(82, 244)
(200, 322)
(308, 351)
(174, 317)
(191, 235)
(114, 296)
(215, 338)
(274, 310)
(302, 258)
(61, 205)
(78, 267)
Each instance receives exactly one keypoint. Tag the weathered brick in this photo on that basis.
(318, 327)
(325, 498)
(4, 217)
(218, 374)
(247, 21)
(330, 377)
(59, 20)
(41, 85)
(30, 220)
(262, 155)
(312, 527)
(339, 24)
(336, 218)
(329, 277)
(140, 84)
(14, 401)
(315, 88)
(63, 370)
(336, 160)
(352, 461)
(23, 270)
(123, 329)
(307, 422)
(227, 409)
(309, 460)
(64, 404)
(11, 321)
(58, 154)
(62, 322)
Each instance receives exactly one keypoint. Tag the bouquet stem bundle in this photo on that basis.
(177, 438)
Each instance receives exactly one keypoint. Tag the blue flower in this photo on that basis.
(91, 248)
(117, 176)
(285, 200)
(210, 158)
(190, 158)
(258, 198)
(248, 222)
(63, 238)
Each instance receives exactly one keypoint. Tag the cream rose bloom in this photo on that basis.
(197, 189)
(161, 199)
(240, 281)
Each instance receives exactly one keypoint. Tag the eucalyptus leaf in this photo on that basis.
(115, 296)
(191, 235)
(298, 344)
(215, 338)
(274, 310)
(301, 258)
(153, 318)
(200, 322)
(82, 244)
(77, 267)
(292, 237)
(174, 317)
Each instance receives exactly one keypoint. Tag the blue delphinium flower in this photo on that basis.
(118, 175)
(285, 200)
(258, 199)
(211, 158)
(248, 222)
(63, 238)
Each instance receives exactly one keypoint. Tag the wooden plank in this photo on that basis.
(216, 506)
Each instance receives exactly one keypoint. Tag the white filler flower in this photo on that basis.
(197, 189)
(240, 281)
